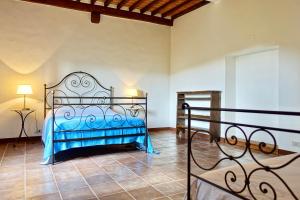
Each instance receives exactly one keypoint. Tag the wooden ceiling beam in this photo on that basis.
(69, 4)
(149, 6)
(154, 12)
(95, 15)
(190, 9)
(121, 4)
(107, 2)
(170, 11)
(135, 5)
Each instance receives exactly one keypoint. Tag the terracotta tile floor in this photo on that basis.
(117, 176)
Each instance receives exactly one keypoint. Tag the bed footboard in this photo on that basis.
(246, 177)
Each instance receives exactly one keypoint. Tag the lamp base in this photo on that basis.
(24, 105)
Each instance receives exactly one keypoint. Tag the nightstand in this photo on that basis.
(23, 113)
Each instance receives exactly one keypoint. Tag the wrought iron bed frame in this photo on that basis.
(230, 176)
(65, 95)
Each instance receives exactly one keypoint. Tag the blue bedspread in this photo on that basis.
(77, 123)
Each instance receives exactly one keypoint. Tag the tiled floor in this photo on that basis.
(117, 176)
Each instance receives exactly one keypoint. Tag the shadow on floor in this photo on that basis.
(92, 151)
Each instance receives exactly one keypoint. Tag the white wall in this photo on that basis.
(203, 39)
(40, 44)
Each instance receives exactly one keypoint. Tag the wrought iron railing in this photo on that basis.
(230, 176)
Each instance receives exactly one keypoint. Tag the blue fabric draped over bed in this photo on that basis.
(76, 123)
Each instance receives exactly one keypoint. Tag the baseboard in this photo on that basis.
(22, 139)
(268, 148)
(283, 152)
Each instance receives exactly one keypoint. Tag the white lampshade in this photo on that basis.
(132, 92)
(24, 89)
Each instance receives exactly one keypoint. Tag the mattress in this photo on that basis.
(90, 119)
(202, 190)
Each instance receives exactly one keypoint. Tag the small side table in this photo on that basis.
(23, 115)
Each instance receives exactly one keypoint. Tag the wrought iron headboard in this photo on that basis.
(76, 84)
(230, 176)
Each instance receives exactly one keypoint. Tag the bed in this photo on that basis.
(80, 112)
(272, 178)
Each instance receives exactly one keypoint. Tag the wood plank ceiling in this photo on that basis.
(154, 11)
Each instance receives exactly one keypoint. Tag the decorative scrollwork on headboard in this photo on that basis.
(74, 87)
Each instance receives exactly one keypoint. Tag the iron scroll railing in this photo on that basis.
(230, 176)
(93, 114)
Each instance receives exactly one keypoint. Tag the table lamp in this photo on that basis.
(24, 90)
(132, 93)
